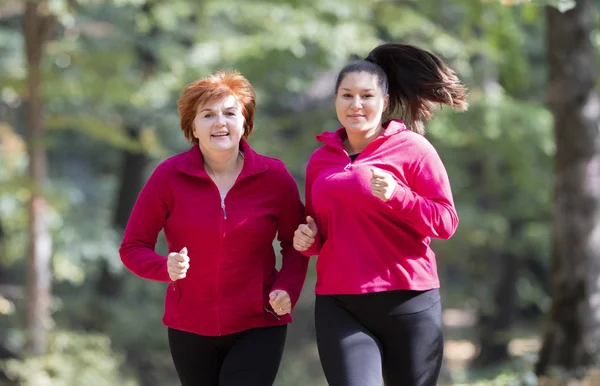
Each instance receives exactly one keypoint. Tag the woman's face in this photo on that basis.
(219, 125)
(359, 102)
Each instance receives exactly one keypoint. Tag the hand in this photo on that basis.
(304, 236)
(178, 264)
(280, 302)
(382, 184)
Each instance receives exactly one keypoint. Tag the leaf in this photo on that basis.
(96, 128)
(561, 5)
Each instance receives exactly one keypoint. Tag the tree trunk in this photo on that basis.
(495, 328)
(36, 30)
(132, 180)
(134, 163)
(110, 284)
(572, 338)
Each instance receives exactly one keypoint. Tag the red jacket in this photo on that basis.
(365, 244)
(232, 260)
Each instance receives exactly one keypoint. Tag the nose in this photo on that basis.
(356, 103)
(220, 120)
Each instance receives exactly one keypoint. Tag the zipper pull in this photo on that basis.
(223, 207)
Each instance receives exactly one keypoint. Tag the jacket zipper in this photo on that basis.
(223, 207)
(217, 280)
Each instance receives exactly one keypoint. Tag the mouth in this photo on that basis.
(356, 116)
(220, 135)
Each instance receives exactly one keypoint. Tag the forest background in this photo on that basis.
(88, 92)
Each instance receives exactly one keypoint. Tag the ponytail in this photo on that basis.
(416, 81)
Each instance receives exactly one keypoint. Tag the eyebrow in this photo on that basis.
(364, 89)
(226, 108)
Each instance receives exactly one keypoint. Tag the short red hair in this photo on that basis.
(216, 87)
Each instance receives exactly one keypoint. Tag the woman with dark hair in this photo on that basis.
(220, 205)
(376, 193)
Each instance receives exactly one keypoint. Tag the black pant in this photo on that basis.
(250, 357)
(393, 336)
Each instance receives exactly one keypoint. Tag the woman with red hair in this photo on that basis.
(220, 205)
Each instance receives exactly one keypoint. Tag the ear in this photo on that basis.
(194, 131)
(386, 100)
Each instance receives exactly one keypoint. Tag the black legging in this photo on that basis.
(393, 336)
(250, 357)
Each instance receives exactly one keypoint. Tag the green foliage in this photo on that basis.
(73, 359)
(98, 130)
(13, 195)
(516, 372)
(561, 5)
(118, 66)
(499, 158)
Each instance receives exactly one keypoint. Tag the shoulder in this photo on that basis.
(414, 143)
(320, 153)
(319, 158)
(278, 178)
(414, 139)
(170, 164)
(275, 164)
(276, 168)
(167, 168)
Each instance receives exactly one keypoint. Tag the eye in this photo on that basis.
(368, 96)
(347, 95)
(208, 115)
(230, 114)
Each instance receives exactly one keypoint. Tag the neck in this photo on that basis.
(357, 141)
(223, 163)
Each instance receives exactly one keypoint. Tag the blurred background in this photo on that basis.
(88, 92)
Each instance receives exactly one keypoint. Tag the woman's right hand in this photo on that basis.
(304, 236)
(178, 264)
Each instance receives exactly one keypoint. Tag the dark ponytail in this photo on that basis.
(416, 81)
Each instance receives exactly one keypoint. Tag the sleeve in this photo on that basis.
(314, 249)
(428, 207)
(290, 214)
(147, 219)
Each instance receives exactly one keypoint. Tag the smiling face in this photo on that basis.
(359, 102)
(219, 125)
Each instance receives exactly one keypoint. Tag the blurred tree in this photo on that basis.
(572, 339)
(498, 157)
(38, 24)
(134, 161)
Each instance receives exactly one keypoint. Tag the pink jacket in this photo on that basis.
(230, 246)
(367, 245)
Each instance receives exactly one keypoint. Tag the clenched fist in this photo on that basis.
(178, 264)
(280, 302)
(304, 236)
(382, 184)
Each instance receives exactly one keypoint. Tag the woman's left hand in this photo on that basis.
(280, 302)
(382, 184)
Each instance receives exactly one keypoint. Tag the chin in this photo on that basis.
(356, 127)
(230, 146)
(222, 147)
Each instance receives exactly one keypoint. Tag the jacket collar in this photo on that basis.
(337, 137)
(193, 164)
